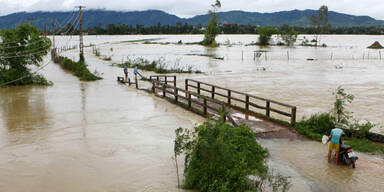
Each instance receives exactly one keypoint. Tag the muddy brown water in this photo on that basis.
(103, 136)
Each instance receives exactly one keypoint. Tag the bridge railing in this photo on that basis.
(167, 79)
(200, 104)
(246, 102)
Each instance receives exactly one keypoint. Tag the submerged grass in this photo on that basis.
(79, 69)
(157, 66)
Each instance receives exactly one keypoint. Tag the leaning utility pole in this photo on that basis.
(81, 31)
(53, 33)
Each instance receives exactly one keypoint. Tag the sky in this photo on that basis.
(190, 8)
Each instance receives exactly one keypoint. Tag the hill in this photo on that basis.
(153, 17)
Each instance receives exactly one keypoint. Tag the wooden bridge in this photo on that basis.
(262, 115)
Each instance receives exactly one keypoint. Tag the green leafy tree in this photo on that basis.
(320, 22)
(20, 48)
(212, 30)
(341, 115)
(220, 157)
(265, 34)
(289, 36)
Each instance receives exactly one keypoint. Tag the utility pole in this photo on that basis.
(81, 30)
(53, 33)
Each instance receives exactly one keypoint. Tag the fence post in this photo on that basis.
(247, 102)
(293, 116)
(176, 94)
(137, 82)
(224, 111)
(186, 88)
(163, 90)
(268, 109)
(229, 97)
(198, 88)
(189, 101)
(213, 92)
(205, 106)
(166, 80)
(153, 86)
(174, 80)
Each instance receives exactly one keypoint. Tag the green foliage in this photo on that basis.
(220, 157)
(79, 69)
(316, 126)
(289, 37)
(265, 34)
(212, 30)
(20, 48)
(365, 145)
(341, 115)
(157, 66)
(360, 130)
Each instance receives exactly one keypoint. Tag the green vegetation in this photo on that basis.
(320, 22)
(265, 34)
(220, 157)
(212, 30)
(356, 132)
(157, 66)
(79, 68)
(289, 36)
(20, 48)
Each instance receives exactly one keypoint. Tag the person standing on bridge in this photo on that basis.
(335, 136)
(126, 72)
(135, 72)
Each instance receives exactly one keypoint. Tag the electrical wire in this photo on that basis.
(21, 78)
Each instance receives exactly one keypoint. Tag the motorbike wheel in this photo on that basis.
(353, 164)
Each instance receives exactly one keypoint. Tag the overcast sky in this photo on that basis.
(189, 8)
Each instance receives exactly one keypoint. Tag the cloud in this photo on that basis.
(189, 8)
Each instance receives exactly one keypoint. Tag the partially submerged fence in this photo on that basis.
(244, 101)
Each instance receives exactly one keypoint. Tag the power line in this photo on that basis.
(21, 78)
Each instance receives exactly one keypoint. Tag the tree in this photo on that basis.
(212, 30)
(20, 48)
(320, 22)
(265, 34)
(289, 36)
(341, 115)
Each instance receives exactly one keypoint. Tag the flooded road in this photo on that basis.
(103, 136)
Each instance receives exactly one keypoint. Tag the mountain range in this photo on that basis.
(153, 17)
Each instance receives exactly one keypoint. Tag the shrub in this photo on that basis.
(220, 157)
(79, 69)
(316, 126)
(289, 37)
(265, 34)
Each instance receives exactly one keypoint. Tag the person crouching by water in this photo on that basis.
(335, 136)
(126, 72)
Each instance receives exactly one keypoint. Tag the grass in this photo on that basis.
(157, 66)
(79, 69)
(321, 124)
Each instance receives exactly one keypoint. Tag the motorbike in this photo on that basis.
(347, 156)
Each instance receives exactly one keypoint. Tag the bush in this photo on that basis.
(220, 157)
(364, 145)
(289, 37)
(79, 69)
(265, 34)
(316, 126)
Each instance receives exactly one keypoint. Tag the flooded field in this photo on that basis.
(103, 136)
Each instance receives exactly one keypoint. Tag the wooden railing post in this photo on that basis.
(164, 90)
(174, 80)
(137, 83)
(186, 88)
(224, 111)
(166, 80)
(247, 102)
(189, 101)
(293, 116)
(205, 106)
(198, 88)
(213, 92)
(153, 86)
(176, 94)
(268, 109)
(229, 97)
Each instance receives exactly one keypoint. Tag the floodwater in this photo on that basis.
(103, 136)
